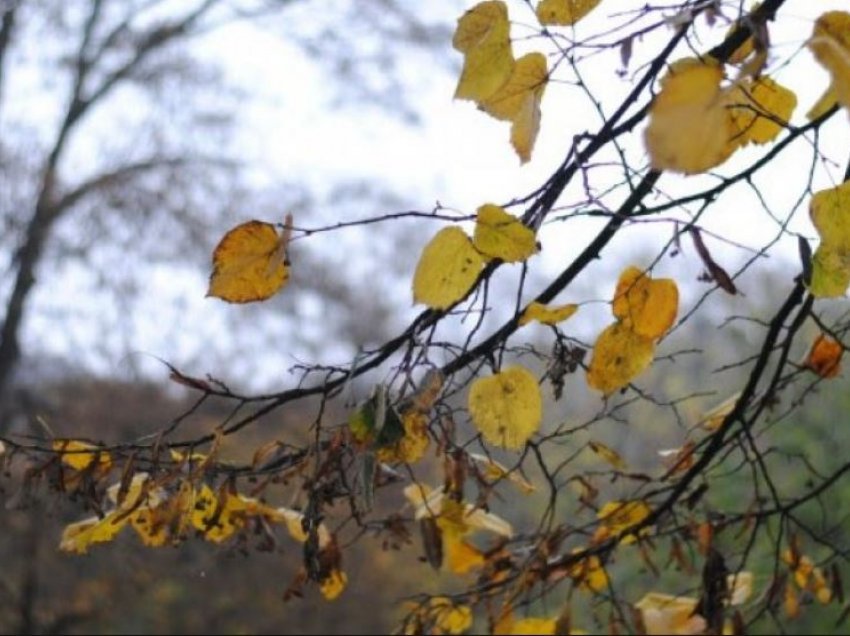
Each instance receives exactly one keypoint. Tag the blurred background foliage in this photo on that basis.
(123, 225)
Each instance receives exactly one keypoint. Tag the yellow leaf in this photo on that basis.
(545, 314)
(506, 407)
(608, 454)
(830, 272)
(247, 264)
(564, 12)
(740, 587)
(501, 235)
(619, 516)
(830, 43)
(666, 614)
(529, 626)
(714, 417)
(450, 618)
(830, 213)
(77, 537)
(447, 269)
(218, 518)
(589, 574)
(75, 457)
(646, 306)
(689, 128)
(824, 357)
(412, 447)
(483, 36)
(460, 556)
(759, 109)
(494, 471)
(823, 105)
(333, 585)
(619, 355)
(518, 101)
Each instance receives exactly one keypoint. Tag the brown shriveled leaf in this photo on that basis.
(715, 272)
(689, 129)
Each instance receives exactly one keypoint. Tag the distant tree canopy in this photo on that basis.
(557, 484)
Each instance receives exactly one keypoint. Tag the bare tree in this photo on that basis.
(132, 158)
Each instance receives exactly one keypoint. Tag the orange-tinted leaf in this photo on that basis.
(647, 306)
(333, 585)
(759, 109)
(619, 516)
(518, 101)
(689, 129)
(450, 618)
(824, 357)
(502, 235)
(589, 574)
(545, 314)
(80, 455)
(248, 264)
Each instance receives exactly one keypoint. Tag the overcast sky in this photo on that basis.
(294, 128)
